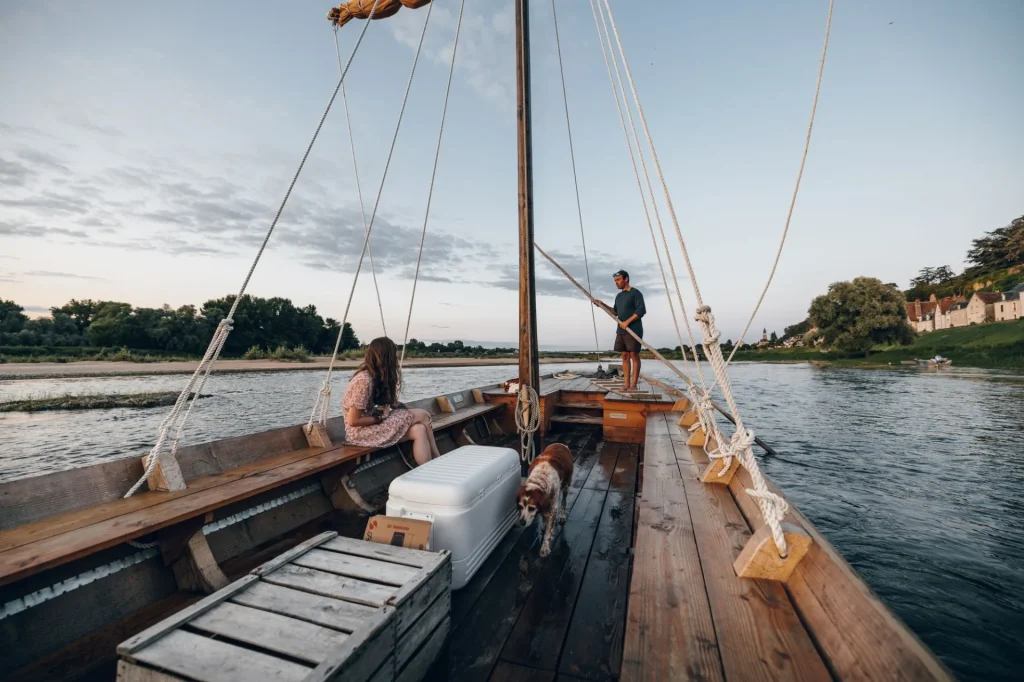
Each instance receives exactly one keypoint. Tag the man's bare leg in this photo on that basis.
(636, 371)
(625, 370)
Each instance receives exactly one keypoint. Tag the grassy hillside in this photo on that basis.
(997, 345)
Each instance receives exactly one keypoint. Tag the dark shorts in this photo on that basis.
(625, 343)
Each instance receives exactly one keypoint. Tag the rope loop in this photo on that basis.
(528, 402)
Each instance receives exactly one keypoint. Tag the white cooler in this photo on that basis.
(469, 495)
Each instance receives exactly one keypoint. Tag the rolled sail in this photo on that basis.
(360, 9)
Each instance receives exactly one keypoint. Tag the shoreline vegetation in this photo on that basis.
(93, 402)
(990, 346)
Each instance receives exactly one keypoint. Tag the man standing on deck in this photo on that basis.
(629, 308)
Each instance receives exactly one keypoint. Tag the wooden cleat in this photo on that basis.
(698, 438)
(316, 436)
(711, 473)
(760, 557)
(688, 419)
(681, 405)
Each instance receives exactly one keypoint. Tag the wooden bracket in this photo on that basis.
(444, 404)
(760, 557)
(688, 419)
(166, 476)
(478, 396)
(681, 405)
(185, 549)
(462, 438)
(698, 438)
(711, 473)
(316, 436)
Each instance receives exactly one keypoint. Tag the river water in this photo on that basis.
(916, 476)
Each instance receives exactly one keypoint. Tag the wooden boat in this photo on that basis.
(644, 581)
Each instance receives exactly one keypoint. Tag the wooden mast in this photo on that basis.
(529, 371)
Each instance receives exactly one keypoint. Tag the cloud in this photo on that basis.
(43, 160)
(14, 172)
(33, 230)
(551, 282)
(35, 309)
(62, 275)
(49, 203)
(485, 55)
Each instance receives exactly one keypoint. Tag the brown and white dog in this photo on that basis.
(546, 486)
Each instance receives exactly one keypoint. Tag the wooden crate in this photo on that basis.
(331, 608)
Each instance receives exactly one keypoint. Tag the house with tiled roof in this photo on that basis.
(1010, 307)
(926, 316)
(942, 308)
(958, 314)
(981, 307)
(921, 315)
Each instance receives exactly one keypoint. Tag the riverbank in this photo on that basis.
(998, 345)
(93, 402)
(92, 368)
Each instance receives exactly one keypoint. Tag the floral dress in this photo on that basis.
(359, 393)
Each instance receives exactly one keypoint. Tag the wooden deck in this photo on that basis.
(527, 618)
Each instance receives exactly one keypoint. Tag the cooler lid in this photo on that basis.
(457, 478)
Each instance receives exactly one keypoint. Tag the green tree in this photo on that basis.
(854, 316)
(999, 248)
(773, 339)
(12, 317)
(798, 329)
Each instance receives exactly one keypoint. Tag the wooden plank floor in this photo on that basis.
(527, 618)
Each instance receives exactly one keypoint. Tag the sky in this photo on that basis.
(146, 147)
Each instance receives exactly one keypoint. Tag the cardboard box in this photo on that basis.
(399, 531)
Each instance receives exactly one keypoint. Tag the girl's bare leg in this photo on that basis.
(423, 417)
(421, 450)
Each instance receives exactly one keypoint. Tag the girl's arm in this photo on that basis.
(357, 417)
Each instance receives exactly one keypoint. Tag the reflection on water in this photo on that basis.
(914, 476)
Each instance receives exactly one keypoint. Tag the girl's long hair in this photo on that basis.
(381, 363)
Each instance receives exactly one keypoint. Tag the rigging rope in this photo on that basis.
(619, 93)
(773, 507)
(323, 397)
(430, 192)
(198, 379)
(359, 188)
(575, 181)
(796, 188)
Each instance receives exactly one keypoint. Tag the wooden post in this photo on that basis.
(316, 436)
(529, 367)
(166, 476)
(185, 550)
(444, 404)
(760, 557)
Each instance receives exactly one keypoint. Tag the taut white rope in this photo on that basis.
(359, 186)
(772, 506)
(224, 328)
(796, 188)
(323, 397)
(575, 181)
(430, 192)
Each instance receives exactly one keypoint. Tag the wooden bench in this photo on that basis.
(34, 547)
(331, 608)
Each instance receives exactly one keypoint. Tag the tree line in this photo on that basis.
(259, 323)
(990, 259)
(261, 327)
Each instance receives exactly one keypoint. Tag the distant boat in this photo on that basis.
(936, 362)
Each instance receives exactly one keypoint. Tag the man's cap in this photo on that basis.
(622, 273)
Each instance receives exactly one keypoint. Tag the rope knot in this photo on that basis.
(742, 440)
(227, 324)
(704, 313)
(767, 498)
